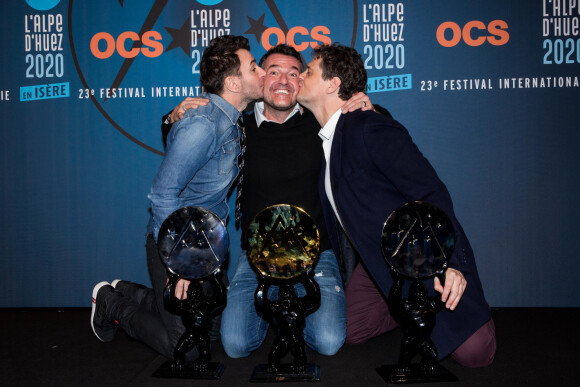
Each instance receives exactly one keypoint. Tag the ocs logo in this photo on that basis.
(151, 40)
(318, 36)
(495, 33)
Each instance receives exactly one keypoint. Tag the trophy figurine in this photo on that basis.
(283, 245)
(416, 240)
(193, 244)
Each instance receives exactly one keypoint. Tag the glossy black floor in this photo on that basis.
(40, 347)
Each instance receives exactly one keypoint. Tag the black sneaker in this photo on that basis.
(103, 328)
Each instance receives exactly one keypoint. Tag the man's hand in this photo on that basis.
(181, 289)
(358, 101)
(188, 103)
(455, 284)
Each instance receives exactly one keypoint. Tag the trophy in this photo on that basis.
(283, 245)
(193, 244)
(416, 240)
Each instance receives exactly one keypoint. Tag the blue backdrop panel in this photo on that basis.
(488, 90)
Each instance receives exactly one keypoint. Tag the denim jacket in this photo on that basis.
(200, 162)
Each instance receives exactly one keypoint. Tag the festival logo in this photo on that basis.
(384, 47)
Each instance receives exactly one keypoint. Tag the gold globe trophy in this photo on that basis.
(283, 246)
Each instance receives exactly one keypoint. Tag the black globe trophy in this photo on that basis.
(416, 240)
(283, 245)
(193, 243)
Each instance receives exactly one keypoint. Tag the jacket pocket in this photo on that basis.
(228, 157)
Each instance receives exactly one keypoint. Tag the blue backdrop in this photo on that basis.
(489, 90)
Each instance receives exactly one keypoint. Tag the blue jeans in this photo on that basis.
(243, 330)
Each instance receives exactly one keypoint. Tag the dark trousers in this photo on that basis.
(367, 314)
(140, 310)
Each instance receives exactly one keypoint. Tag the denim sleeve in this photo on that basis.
(190, 145)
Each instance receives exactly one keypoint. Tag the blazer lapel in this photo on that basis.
(336, 151)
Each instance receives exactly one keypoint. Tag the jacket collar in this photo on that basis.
(227, 108)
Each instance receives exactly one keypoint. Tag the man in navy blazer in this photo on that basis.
(373, 167)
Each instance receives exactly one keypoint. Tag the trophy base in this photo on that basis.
(286, 373)
(415, 373)
(213, 371)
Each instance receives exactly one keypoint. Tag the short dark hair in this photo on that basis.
(219, 61)
(283, 49)
(346, 64)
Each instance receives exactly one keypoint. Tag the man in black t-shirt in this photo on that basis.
(282, 163)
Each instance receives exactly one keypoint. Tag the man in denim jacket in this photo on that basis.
(198, 169)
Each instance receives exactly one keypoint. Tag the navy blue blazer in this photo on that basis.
(374, 168)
